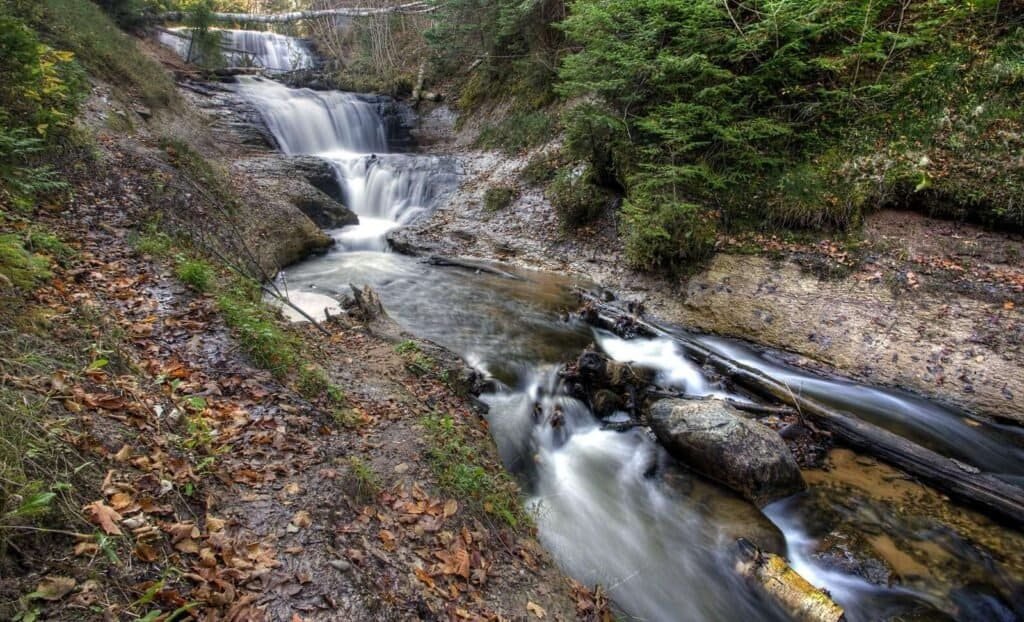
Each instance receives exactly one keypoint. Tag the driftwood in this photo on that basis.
(294, 16)
(782, 584)
(964, 483)
(469, 264)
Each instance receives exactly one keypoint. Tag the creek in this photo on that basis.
(612, 507)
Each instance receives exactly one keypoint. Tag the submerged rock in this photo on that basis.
(846, 551)
(715, 440)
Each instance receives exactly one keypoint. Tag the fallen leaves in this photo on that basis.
(105, 516)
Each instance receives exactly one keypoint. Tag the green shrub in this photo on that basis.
(497, 198)
(576, 197)
(667, 235)
(99, 45)
(541, 168)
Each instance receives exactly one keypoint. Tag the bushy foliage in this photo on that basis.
(498, 198)
(577, 197)
(40, 89)
(512, 46)
(101, 47)
(743, 109)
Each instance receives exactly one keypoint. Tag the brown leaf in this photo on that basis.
(422, 575)
(302, 519)
(145, 552)
(86, 548)
(105, 516)
(121, 500)
(535, 609)
(53, 588)
(451, 507)
(461, 562)
(388, 539)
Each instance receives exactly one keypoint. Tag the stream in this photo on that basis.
(612, 507)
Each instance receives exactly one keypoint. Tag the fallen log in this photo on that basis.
(782, 584)
(950, 476)
(294, 16)
(469, 264)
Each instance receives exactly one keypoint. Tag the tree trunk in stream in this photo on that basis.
(960, 481)
(294, 16)
(782, 584)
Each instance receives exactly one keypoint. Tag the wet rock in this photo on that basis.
(848, 552)
(715, 440)
(606, 403)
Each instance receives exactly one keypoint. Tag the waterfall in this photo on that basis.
(247, 48)
(386, 190)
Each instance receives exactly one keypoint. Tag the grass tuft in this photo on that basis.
(457, 463)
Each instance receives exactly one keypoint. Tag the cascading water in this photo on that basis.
(612, 507)
(385, 190)
(246, 48)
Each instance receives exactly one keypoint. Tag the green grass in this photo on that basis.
(256, 327)
(153, 242)
(212, 179)
(195, 273)
(106, 51)
(312, 382)
(43, 479)
(456, 461)
(407, 347)
(362, 480)
(19, 267)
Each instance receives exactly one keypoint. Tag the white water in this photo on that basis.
(674, 370)
(608, 522)
(386, 190)
(247, 48)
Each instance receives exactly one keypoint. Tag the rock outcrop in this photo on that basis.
(718, 442)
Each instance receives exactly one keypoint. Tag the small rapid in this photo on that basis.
(612, 507)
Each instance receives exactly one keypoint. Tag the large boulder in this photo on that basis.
(716, 440)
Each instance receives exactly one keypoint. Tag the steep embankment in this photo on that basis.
(929, 305)
(171, 445)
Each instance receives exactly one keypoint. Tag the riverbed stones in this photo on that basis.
(717, 441)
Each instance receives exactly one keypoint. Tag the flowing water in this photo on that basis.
(245, 48)
(612, 507)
